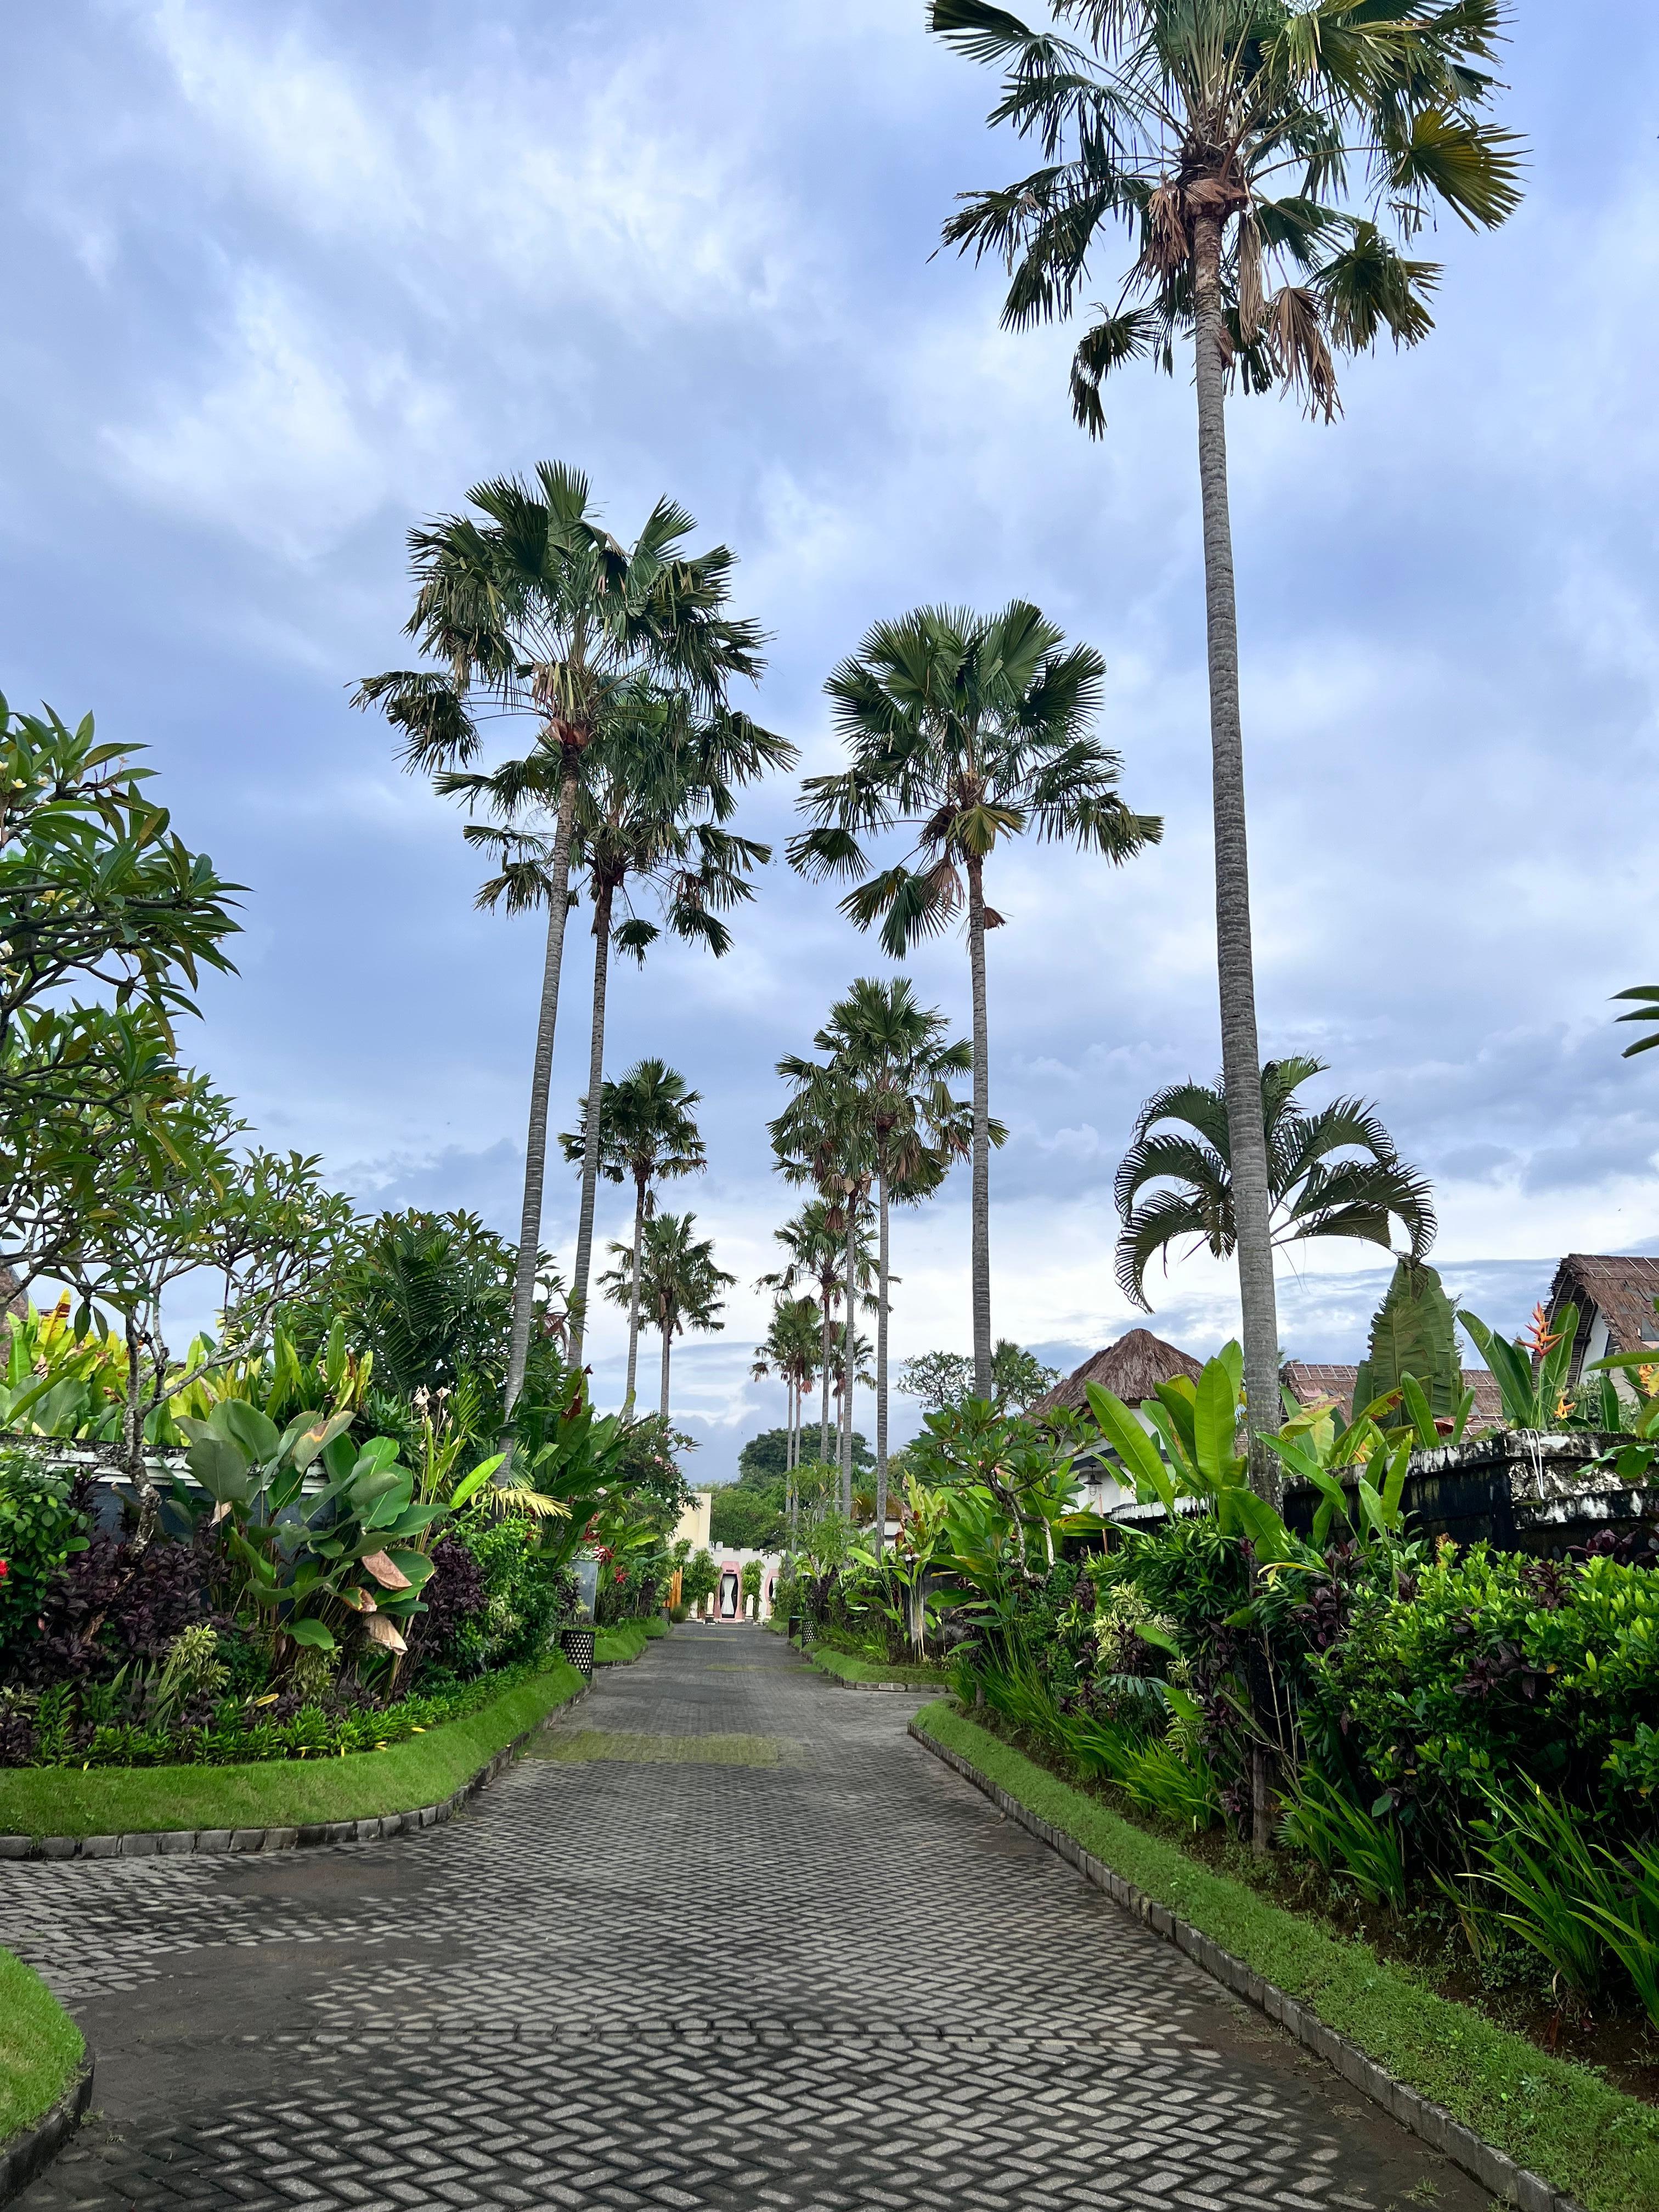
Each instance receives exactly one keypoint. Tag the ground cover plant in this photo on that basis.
(423, 1769)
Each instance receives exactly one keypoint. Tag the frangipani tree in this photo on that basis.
(1266, 160)
(964, 731)
(530, 608)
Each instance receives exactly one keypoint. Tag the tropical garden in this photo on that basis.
(366, 1507)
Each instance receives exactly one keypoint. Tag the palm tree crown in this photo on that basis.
(963, 730)
(679, 1284)
(647, 1134)
(531, 607)
(1181, 1157)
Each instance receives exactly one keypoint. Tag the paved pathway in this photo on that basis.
(738, 1942)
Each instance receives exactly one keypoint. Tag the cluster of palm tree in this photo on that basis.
(621, 659)
(870, 1124)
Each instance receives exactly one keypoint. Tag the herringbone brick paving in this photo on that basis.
(833, 1983)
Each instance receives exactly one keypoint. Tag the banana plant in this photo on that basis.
(317, 1561)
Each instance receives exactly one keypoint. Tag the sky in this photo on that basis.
(284, 280)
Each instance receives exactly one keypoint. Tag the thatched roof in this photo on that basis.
(1312, 1380)
(1621, 1290)
(1131, 1369)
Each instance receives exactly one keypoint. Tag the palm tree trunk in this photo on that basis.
(846, 1453)
(639, 1182)
(667, 1341)
(591, 1141)
(824, 1409)
(1240, 1059)
(535, 1151)
(981, 1164)
(881, 1368)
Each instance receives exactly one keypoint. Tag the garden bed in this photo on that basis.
(1553, 2117)
(281, 1793)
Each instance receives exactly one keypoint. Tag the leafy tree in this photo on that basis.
(942, 1380)
(1237, 142)
(765, 1459)
(100, 894)
(699, 1579)
(679, 1284)
(963, 730)
(647, 1134)
(748, 1520)
(1181, 1155)
(649, 822)
(531, 607)
(895, 1055)
(178, 1199)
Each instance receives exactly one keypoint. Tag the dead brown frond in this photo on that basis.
(1167, 245)
(1301, 354)
(1252, 300)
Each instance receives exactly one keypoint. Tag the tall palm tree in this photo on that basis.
(815, 1243)
(647, 1134)
(791, 1351)
(1182, 1155)
(964, 730)
(674, 1272)
(893, 1052)
(531, 607)
(822, 1137)
(1240, 142)
(649, 819)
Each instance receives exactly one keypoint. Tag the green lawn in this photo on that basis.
(288, 1793)
(852, 1669)
(1558, 2119)
(40, 2047)
(620, 1645)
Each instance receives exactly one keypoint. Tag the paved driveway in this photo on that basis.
(736, 1943)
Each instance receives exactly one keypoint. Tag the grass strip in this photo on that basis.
(286, 1793)
(40, 2048)
(621, 1645)
(1558, 2119)
(852, 1669)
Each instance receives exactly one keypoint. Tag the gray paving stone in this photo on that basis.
(841, 1983)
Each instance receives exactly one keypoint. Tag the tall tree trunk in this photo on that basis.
(133, 1441)
(981, 1165)
(881, 1368)
(824, 1409)
(591, 1139)
(848, 1356)
(1241, 1059)
(640, 1186)
(535, 1151)
(667, 1341)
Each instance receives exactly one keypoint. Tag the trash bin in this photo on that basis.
(577, 1645)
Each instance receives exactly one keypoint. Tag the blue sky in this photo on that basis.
(282, 279)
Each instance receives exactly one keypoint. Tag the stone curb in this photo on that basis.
(153, 1843)
(1492, 2168)
(27, 2154)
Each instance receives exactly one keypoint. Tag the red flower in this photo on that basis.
(5, 1569)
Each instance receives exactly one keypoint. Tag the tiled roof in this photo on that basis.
(1131, 1369)
(1312, 1380)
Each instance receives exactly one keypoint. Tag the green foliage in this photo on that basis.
(1345, 1839)
(40, 2048)
(1413, 1332)
(943, 1379)
(743, 1519)
(525, 1591)
(700, 1578)
(1331, 1173)
(40, 1530)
